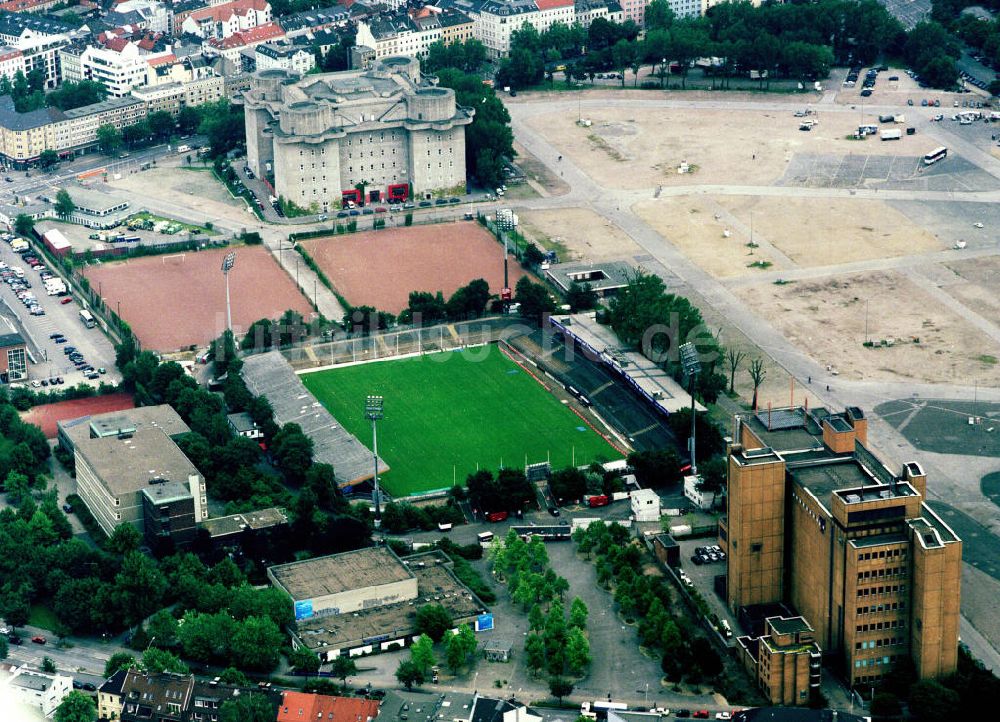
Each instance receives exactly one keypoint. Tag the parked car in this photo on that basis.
(38, 639)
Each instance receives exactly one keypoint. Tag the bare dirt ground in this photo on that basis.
(697, 225)
(979, 287)
(639, 148)
(380, 268)
(576, 233)
(179, 300)
(193, 187)
(827, 320)
(539, 173)
(825, 231)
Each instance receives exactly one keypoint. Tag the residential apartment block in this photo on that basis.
(294, 58)
(23, 136)
(221, 21)
(411, 34)
(11, 61)
(171, 97)
(817, 522)
(321, 135)
(32, 690)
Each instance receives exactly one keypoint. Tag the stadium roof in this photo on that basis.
(270, 375)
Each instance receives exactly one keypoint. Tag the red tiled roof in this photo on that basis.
(259, 34)
(552, 4)
(227, 10)
(299, 707)
(162, 60)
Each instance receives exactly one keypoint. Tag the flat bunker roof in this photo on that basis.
(314, 578)
(435, 585)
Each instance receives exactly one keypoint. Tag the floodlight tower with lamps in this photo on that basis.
(374, 412)
(691, 365)
(227, 265)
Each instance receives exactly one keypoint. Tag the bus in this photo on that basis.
(599, 710)
(87, 318)
(485, 538)
(935, 155)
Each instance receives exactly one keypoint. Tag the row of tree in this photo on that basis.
(619, 561)
(555, 644)
(792, 40)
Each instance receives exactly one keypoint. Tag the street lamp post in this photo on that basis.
(691, 365)
(227, 266)
(374, 412)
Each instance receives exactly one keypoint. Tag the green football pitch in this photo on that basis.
(447, 414)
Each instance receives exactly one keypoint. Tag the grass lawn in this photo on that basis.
(447, 413)
(42, 616)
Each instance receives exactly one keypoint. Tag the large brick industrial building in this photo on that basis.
(319, 137)
(817, 522)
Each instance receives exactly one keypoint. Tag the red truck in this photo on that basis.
(495, 516)
(600, 500)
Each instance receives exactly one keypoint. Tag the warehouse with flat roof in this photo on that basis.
(344, 583)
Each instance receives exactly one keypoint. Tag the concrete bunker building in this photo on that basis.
(321, 139)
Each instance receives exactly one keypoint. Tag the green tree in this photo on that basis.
(433, 620)
(139, 587)
(48, 666)
(118, 660)
(713, 475)
(4, 647)
(163, 627)
(303, 660)
(581, 297)
(578, 614)
(655, 468)
(109, 140)
(536, 619)
(292, 451)
(568, 485)
(48, 158)
(577, 652)
(931, 701)
(23, 224)
(409, 673)
(256, 643)
(534, 652)
(17, 486)
(124, 539)
(251, 707)
(161, 123)
(76, 707)
(231, 675)
(885, 707)
(422, 653)
(560, 687)
(64, 203)
(156, 660)
(534, 299)
(461, 647)
(343, 667)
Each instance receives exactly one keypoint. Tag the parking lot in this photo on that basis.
(57, 317)
(703, 576)
(864, 170)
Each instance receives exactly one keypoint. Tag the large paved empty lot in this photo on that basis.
(179, 300)
(380, 268)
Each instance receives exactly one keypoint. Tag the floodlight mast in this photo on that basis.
(227, 265)
(374, 412)
(691, 366)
